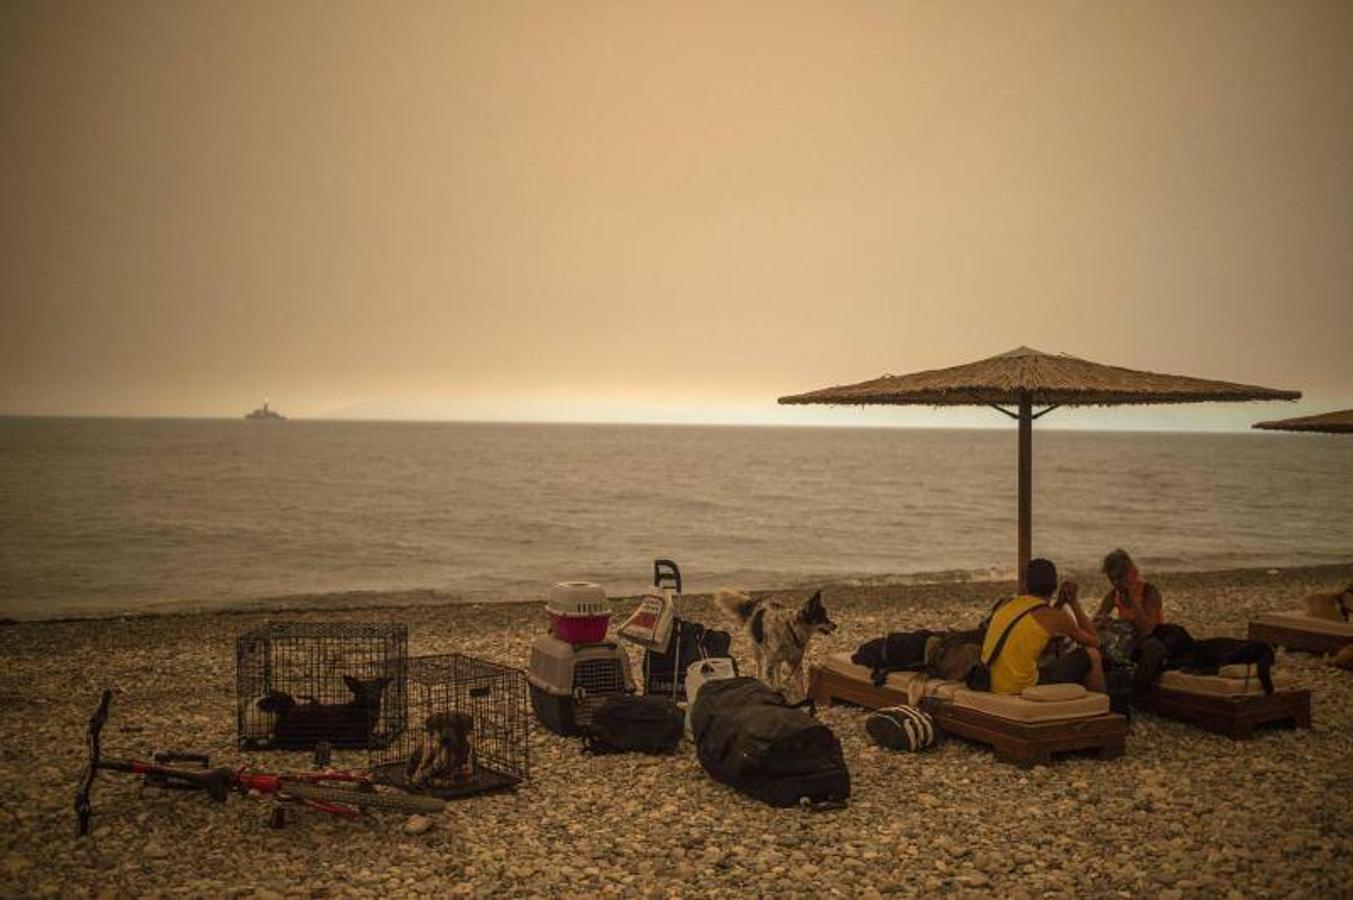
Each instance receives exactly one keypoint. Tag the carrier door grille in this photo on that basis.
(593, 681)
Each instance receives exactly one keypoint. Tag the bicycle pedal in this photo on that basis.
(165, 782)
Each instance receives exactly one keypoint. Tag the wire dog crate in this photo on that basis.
(468, 729)
(300, 683)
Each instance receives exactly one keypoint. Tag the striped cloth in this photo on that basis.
(901, 728)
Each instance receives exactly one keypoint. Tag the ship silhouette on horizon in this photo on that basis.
(265, 412)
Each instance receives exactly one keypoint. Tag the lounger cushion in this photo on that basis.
(1018, 709)
(1303, 622)
(917, 685)
(1220, 685)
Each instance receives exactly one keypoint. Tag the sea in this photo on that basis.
(120, 516)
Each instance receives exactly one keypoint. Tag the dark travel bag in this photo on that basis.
(900, 651)
(1210, 654)
(749, 738)
(627, 724)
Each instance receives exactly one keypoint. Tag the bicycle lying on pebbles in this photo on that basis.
(336, 793)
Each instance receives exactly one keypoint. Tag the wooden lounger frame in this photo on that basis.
(1234, 716)
(1024, 744)
(1298, 638)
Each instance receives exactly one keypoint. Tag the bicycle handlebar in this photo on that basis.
(96, 723)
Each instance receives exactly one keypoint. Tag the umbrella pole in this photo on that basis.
(1026, 442)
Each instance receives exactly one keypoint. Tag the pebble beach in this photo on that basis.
(1183, 813)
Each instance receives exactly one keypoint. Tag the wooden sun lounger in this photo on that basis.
(1234, 715)
(1298, 632)
(1024, 744)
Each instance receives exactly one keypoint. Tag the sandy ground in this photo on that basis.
(1183, 813)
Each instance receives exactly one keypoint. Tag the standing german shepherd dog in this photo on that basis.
(779, 636)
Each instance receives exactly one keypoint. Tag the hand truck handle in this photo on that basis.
(665, 571)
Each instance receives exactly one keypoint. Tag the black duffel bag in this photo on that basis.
(748, 737)
(665, 672)
(1210, 654)
(628, 724)
(899, 651)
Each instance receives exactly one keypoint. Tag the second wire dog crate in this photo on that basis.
(468, 729)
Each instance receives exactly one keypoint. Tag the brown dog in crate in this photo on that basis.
(444, 755)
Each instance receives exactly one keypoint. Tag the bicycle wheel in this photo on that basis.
(397, 801)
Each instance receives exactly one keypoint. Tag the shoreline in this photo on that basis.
(1191, 814)
(430, 598)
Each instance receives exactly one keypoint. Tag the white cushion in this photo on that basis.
(1218, 685)
(1047, 708)
(1302, 622)
(1018, 709)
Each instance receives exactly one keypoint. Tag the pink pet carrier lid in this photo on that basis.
(578, 598)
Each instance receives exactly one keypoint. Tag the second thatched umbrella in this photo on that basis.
(1340, 422)
(1016, 382)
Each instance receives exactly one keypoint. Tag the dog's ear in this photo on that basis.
(815, 600)
(274, 702)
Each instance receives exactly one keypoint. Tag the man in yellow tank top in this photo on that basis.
(1016, 666)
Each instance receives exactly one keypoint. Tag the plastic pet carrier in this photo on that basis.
(579, 612)
(300, 683)
(468, 729)
(569, 681)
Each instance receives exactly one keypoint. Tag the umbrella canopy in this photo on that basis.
(1340, 422)
(1042, 378)
(1024, 378)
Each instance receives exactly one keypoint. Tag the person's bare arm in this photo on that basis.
(1105, 607)
(1055, 622)
(1152, 606)
(1068, 595)
(1083, 622)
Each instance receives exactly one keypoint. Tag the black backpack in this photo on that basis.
(1119, 684)
(628, 724)
(748, 737)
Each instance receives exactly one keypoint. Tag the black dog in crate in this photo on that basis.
(349, 724)
(665, 672)
(301, 683)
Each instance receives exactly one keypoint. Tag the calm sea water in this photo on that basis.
(102, 516)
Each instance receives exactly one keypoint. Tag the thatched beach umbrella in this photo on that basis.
(1025, 378)
(1340, 422)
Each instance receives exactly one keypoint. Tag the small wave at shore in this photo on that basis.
(998, 578)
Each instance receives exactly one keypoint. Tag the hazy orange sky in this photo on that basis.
(665, 211)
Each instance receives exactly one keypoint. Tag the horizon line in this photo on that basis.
(995, 426)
